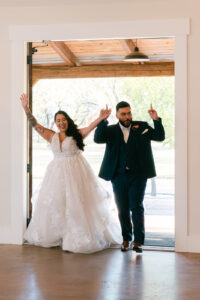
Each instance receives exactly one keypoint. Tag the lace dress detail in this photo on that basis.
(71, 208)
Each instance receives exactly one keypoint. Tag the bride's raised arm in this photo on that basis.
(104, 114)
(43, 132)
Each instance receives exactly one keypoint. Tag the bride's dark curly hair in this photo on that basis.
(72, 129)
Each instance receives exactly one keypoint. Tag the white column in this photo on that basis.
(18, 145)
(181, 181)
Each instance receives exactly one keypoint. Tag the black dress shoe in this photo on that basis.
(126, 246)
(137, 249)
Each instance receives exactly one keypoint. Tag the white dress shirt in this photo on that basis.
(126, 131)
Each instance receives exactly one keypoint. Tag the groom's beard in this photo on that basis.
(125, 123)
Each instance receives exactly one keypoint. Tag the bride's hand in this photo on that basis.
(24, 100)
(105, 113)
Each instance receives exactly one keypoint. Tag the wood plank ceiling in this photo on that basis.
(102, 58)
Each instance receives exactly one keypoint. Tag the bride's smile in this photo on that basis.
(61, 123)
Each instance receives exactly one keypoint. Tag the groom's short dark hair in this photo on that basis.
(122, 104)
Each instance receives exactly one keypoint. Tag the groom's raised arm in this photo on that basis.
(101, 133)
(158, 133)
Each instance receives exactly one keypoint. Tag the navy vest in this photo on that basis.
(127, 158)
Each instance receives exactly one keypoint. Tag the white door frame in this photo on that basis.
(19, 35)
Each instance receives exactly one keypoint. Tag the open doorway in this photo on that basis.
(159, 216)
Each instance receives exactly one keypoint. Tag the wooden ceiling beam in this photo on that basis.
(104, 70)
(128, 46)
(65, 53)
(35, 81)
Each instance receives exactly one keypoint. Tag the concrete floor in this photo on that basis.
(34, 273)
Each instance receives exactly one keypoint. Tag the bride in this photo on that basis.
(71, 208)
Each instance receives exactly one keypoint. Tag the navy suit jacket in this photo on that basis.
(139, 145)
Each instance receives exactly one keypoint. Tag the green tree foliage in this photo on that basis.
(82, 99)
(159, 91)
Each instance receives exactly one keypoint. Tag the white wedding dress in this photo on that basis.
(71, 208)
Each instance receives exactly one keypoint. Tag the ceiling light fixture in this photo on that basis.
(136, 55)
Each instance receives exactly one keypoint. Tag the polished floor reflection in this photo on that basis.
(34, 273)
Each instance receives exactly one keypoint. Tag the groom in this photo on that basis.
(128, 163)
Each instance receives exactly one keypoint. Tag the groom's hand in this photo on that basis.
(105, 113)
(153, 113)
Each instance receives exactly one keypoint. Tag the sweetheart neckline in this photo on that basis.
(60, 143)
(62, 140)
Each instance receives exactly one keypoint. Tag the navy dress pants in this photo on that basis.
(129, 190)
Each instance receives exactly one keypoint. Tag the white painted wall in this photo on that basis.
(100, 11)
